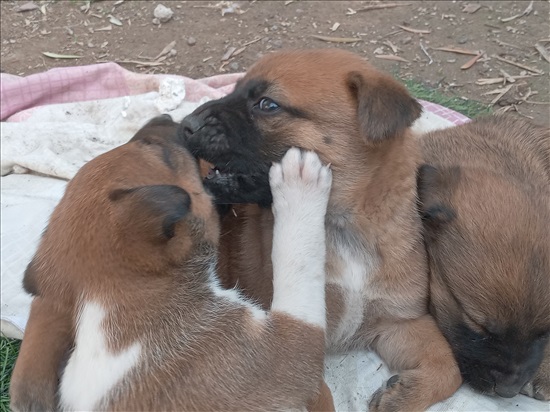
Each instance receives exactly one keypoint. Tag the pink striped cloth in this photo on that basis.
(108, 80)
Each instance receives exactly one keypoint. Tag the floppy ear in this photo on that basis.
(434, 187)
(152, 211)
(384, 107)
(162, 125)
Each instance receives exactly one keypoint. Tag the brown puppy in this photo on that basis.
(126, 272)
(485, 199)
(357, 119)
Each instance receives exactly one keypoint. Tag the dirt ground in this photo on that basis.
(204, 38)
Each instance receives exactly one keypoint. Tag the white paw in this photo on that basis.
(300, 184)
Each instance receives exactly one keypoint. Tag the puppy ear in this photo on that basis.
(434, 187)
(162, 125)
(152, 211)
(384, 107)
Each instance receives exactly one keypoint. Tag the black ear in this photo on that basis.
(30, 283)
(434, 188)
(384, 107)
(157, 209)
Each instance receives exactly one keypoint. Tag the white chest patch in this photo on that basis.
(92, 370)
(352, 280)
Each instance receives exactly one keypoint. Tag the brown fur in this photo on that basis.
(485, 197)
(136, 232)
(357, 119)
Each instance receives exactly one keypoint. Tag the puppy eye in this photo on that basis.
(267, 105)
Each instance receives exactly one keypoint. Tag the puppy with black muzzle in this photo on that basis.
(126, 273)
(485, 201)
(358, 120)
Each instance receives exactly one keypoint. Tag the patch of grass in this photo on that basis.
(470, 108)
(9, 349)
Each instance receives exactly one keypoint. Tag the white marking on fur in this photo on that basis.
(352, 281)
(300, 187)
(234, 296)
(92, 370)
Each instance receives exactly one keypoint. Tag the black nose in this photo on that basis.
(192, 124)
(507, 385)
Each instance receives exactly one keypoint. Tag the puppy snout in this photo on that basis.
(192, 124)
(506, 385)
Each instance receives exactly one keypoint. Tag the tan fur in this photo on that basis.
(357, 119)
(486, 202)
(199, 351)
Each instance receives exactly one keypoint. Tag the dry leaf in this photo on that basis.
(141, 63)
(392, 57)
(417, 31)
(228, 53)
(470, 62)
(166, 50)
(114, 20)
(471, 8)
(336, 39)
(60, 56)
(43, 9)
(27, 7)
(543, 52)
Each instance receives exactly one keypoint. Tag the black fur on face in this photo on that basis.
(224, 132)
(496, 363)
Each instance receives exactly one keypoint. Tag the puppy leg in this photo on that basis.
(301, 188)
(323, 402)
(47, 339)
(428, 372)
(539, 386)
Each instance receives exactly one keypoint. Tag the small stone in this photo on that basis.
(277, 43)
(156, 21)
(234, 66)
(163, 13)
(274, 28)
(12, 41)
(462, 40)
(172, 53)
(451, 60)
(406, 40)
(191, 41)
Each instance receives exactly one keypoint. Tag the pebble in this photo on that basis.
(234, 66)
(462, 39)
(163, 13)
(191, 41)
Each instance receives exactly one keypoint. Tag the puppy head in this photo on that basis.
(488, 246)
(138, 209)
(327, 100)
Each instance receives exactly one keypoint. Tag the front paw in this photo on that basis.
(539, 386)
(300, 184)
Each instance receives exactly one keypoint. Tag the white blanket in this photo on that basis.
(49, 146)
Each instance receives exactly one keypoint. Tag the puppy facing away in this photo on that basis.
(358, 120)
(485, 200)
(126, 272)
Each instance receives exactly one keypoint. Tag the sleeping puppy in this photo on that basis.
(358, 120)
(126, 272)
(485, 200)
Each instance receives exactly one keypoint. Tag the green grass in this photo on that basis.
(9, 348)
(470, 108)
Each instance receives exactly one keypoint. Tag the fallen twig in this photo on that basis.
(470, 62)
(140, 63)
(495, 80)
(252, 41)
(336, 39)
(426, 53)
(507, 77)
(525, 12)
(501, 94)
(417, 31)
(382, 6)
(391, 57)
(502, 59)
(457, 50)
